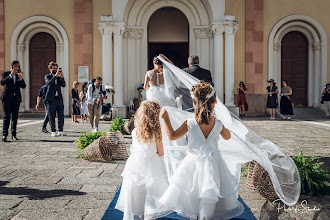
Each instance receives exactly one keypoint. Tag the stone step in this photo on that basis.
(305, 113)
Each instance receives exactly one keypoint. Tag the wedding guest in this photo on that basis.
(75, 102)
(326, 99)
(241, 99)
(272, 101)
(41, 96)
(84, 110)
(12, 82)
(195, 70)
(285, 104)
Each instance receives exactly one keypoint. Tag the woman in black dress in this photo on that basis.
(75, 102)
(272, 102)
(286, 105)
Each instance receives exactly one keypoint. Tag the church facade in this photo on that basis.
(237, 40)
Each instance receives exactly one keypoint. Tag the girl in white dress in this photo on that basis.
(84, 110)
(154, 83)
(144, 176)
(202, 186)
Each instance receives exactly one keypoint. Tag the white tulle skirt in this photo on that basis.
(157, 93)
(203, 187)
(144, 182)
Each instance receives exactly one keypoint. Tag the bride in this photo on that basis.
(154, 83)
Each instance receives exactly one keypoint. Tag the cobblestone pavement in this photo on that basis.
(40, 178)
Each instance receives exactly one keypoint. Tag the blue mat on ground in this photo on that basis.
(114, 214)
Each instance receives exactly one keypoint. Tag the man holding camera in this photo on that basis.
(95, 94)
(11, 98)
(53, 98)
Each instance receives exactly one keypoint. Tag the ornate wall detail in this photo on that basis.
(60, 48)
(133, 33)
(218, 29)
(276, 46)
(316, 46)
(105, 28)
(231, 28)
(203, 32)
(118, 30)
(20, 47)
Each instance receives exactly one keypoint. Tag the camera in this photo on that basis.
(60, 69)
(18, 71)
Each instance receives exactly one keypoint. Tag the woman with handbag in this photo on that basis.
(272, 101)
(286, 105)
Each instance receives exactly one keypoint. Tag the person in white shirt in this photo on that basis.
(95, 94)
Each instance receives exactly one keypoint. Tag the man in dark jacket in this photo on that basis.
(11, 98)
(195, 70)
(53, 97)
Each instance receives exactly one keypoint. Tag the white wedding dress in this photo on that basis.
(157, 92)
(144, 182)
(203, 186)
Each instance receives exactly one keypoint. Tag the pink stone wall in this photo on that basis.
(254, 22)
(83, 38)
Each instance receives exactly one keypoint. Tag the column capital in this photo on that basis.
(20, 47)
(105, 25)
(133, 32)
(118, 29)
(316, 46)
(276, 46)
(60, 47)
(203, 32)
(218, 29)
(231, 28)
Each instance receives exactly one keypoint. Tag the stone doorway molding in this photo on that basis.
(19, 50)
(317, 52)
(127, 26)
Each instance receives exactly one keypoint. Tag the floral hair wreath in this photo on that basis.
(208, 96)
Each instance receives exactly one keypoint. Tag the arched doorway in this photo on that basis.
(294, 65)
(42, 50)
(168, 33)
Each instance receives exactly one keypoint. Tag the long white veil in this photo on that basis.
(244, 145)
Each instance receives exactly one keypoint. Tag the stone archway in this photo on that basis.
(19, 45)
(317, 52)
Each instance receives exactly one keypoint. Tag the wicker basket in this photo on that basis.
(99, 150)
(128, 127)
(121, 148)
(259, 179)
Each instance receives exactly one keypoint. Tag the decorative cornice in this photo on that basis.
(316, 46)
(276, 46)
(133, 32)
(203, 32)
(20, 47)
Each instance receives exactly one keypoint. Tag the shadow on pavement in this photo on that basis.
(36, 193)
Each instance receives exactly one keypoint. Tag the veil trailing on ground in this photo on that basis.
(244, 145)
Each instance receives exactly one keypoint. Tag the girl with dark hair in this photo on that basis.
(241, 99)
(202, 186)
(75, 102)
(154, 83)
(272, 101)
(326, 99)
(286, 105)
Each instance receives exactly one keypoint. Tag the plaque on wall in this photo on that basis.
(82, 73)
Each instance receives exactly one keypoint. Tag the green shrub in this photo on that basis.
(314, 179)
(86, 139)
(244, 169)
(117, 125)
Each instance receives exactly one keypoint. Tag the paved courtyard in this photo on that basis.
(40, 177)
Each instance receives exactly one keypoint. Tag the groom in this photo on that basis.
(195, 70)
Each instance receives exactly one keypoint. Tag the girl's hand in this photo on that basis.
(163, 114)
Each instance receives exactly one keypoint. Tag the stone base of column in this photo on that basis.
(234, 110)
(120, 112)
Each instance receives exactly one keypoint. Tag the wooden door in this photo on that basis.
(42, 50)
(294, 66)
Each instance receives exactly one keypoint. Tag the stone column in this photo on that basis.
(317, 74)
(203, 35)
(218, 30)
(105, 27)
(118, 31)
(26, 92)
(230, 30)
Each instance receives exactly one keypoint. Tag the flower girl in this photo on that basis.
(144, 176)
(202, 186)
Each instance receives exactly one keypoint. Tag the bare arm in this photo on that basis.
(225, 133)
(160, 149)
(146, 82)
(178, 133)
(289, 93)
(38, 102)
(324, 91)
